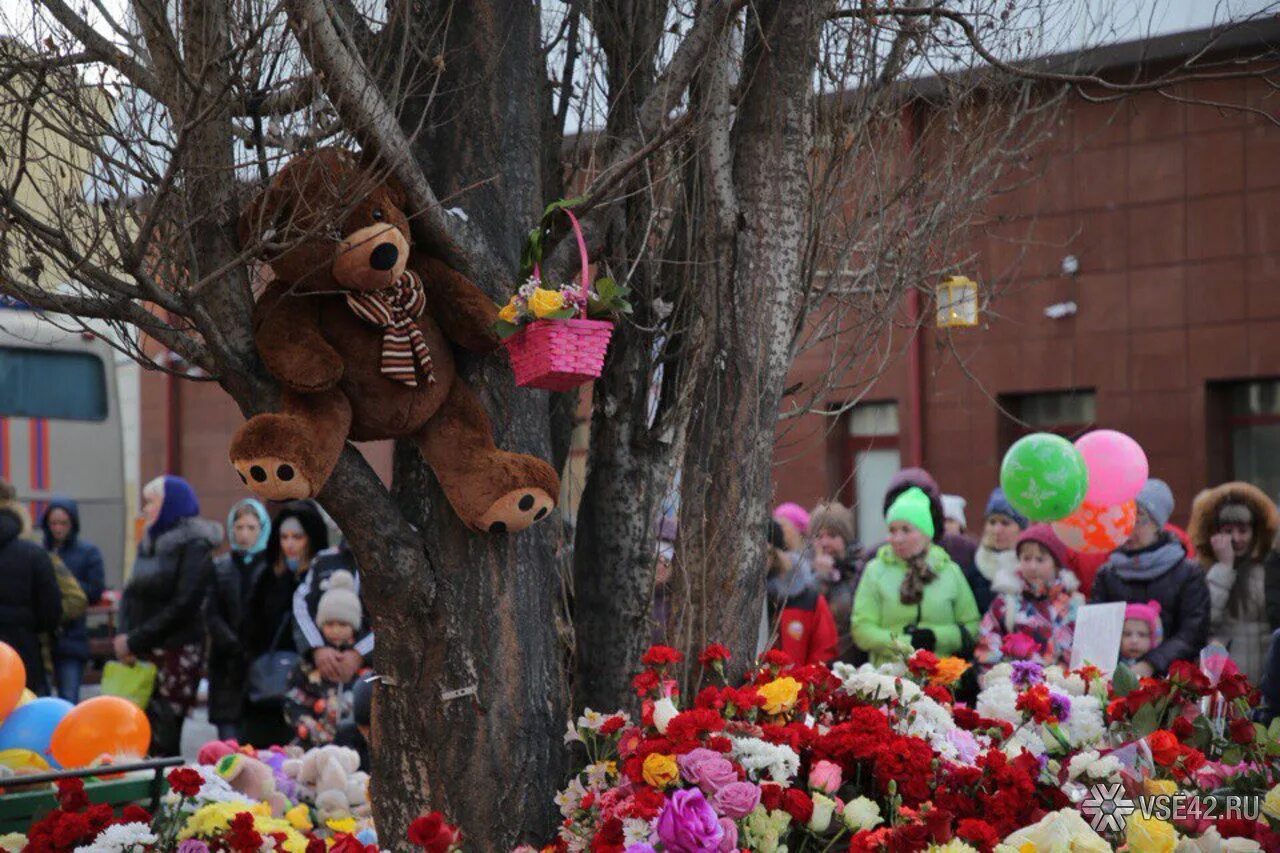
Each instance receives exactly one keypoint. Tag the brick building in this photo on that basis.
(1172, 214)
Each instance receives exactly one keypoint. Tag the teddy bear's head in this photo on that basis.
(330, 221)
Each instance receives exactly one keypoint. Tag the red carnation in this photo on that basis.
(1241, 731)
(185, 782)
(610, 838)
(243, 838)
(131, 813)
(1164, 747)
(661, 656)
(923, 662)
(798, 804)
(71, 795)
(939, 694)
(645, 683)
(771, 795)
(316, 845)
(713, 654)
(777, 657)
(611, 725)
(978, 833)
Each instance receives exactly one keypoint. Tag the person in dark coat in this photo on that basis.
(30, 603)
(1153, 565)
(234, 574)
(298, 534)
(161, 608)
(61, 525)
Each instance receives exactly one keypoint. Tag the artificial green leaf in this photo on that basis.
(561, 204)
(1273, 731)
(1201, 733)
(1145, 721)
(606, 287)
(1232, 755)
(1124, 681)
(562, 314)
(504, 330)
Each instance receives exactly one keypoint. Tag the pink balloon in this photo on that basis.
(1117, 466)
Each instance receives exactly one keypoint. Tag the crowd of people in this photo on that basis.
(275, 621)
(1013, 592)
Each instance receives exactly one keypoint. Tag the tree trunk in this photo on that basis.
(754, 299)
(489, 758)
(632, 465)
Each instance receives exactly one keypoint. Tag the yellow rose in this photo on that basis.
(509, 313)
(1271, 804)
(660, 770)
(780, 695)
(544, 302)
(1159, 787)
(948, 671)
(1148, 835)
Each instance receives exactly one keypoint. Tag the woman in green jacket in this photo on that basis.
(912, 595)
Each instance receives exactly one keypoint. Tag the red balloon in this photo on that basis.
(13, 679)
(103, 725)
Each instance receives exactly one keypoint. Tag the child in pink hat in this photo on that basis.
(1143, 631)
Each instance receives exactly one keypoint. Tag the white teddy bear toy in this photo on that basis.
(331, 778)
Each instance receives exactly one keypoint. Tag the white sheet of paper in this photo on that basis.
(1097, 636)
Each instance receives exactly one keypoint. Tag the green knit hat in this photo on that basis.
(913, 507)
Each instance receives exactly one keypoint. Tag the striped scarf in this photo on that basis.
(394, 310)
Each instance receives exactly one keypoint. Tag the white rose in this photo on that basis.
(664, 711)
(861, 813)
(823, 808)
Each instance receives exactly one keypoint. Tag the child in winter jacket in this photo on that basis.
(1143, 631)
(314, 706)
(806, 629)
(1033, 614)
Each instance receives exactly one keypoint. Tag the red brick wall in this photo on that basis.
(1174, 214)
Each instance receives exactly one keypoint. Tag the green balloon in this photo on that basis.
(1044, 477)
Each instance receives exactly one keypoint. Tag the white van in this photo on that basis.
(60, 425)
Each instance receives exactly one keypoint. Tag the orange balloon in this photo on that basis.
(102, 725)
(13, 679)
(1094, 529)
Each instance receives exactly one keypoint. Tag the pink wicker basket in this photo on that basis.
(559, 355)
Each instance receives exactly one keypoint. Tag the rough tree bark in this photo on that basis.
(632, 463)
(753, 300)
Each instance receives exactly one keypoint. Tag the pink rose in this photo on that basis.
(1019, 646)
(825, 777)
(707, 769)
(736, 800)
(729, 843)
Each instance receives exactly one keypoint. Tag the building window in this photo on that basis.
(1069, 413)
(872, 456)
(1247, 433)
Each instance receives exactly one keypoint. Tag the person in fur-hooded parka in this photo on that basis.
(1232, 528)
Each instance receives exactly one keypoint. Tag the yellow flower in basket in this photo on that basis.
(509, 313)
(544, 302)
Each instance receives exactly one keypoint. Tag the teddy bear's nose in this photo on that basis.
(384, 257)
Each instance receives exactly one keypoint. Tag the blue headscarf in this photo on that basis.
(264, 523)
(179, 502)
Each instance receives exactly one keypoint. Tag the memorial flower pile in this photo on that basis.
(823, 758)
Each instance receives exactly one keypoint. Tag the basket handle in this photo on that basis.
(582, 257)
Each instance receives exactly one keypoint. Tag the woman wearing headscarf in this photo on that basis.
(162, 603)
(298, 534)
(912, 595)
(234, 574)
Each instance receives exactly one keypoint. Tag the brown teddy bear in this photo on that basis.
(357, 326)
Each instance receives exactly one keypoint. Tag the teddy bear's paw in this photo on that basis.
(273, 479)
(516, 510)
